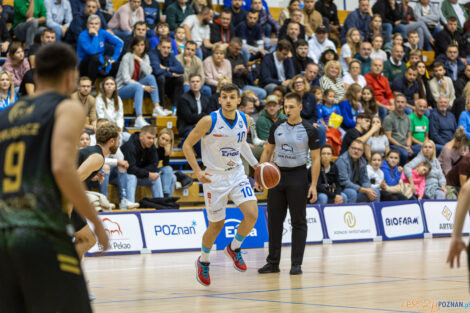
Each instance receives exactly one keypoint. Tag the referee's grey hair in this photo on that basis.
(93, 17)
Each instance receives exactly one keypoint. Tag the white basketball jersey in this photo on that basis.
(220, 147)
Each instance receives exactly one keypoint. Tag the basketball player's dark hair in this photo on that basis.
(149, 129)
(106, 132)
(229, 88)
(293, 95)
(55, 59)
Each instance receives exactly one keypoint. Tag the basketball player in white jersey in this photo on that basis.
(223, 134)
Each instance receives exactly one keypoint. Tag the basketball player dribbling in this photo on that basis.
(223, 135)
(39, 268)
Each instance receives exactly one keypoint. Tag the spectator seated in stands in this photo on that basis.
(369, 105)
(164, 144)
(419, 175)
(267, 22)
(238, 14)
(221, 30)
(216, 66)
(408, 86)
(268, 116)
(48, 36)
(309, 112)
(442, 124)
(412, 43)
(139, 29)
(192, 106)
(125, 18)
(397, 126)
(296, 18)
(419, 125)
(350, 48)
(328, 185)
(29, 15)
(91, 47)
(454, 150)
(328, 55)
(313, 18)
(375, 174)
(311, 74)
(59, 16)
(349, 106)
(135, 77)
(83, 94)
(362, 131)
(436, 180)
(429, 14)
(359, 19)
(409, 24)
(177, 12)
(277, 68)
(327, 108)
(109, 104)
(151, 13)
(452, 63)
(251, 34)
(353, 76)
(392, 185)
(363, 56)
(458, 176)
(319, 43)
(8, 96)
(377, 52)
(16, 64)
(192, 65)
(376, 29)
(5, 38)
(28, 84)
(441, 85)
(353, 176)
(163, 31)
(197, 28)
(395, 67)
(287, 12)
(449, 35)
(329, 12)
(80, 20)
(451, 8)
(464, 119)
(168, 71)
(379, 83)
(378, 142)
(333, 80)
(463, 79)
(241, 73)
(292, 35)
(142, 155)
(301, 58)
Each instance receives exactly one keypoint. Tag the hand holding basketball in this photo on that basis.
(267, 175)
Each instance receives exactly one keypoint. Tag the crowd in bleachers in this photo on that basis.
(397, 128)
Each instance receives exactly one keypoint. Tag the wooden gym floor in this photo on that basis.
(353, 277)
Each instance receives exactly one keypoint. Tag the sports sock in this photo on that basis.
(205, 254)
(237, 241)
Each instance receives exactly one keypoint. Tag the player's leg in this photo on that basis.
(11, 298)
(296, 193)
(50, 276)
(277, 211)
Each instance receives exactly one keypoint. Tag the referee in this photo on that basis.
(289, 142)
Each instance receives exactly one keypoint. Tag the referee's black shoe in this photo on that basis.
(295, 270)
(269, 268)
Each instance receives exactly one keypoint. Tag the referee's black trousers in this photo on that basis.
(291, 192)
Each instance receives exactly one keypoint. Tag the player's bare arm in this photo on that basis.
(245, 149)
(70, 119)
(457, 244)
(201, 129)
(92, 164)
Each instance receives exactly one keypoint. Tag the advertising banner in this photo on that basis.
(314, 233)
(440, 217)
(350, 222)
(400, 219)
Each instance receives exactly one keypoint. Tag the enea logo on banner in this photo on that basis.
(314, 229)
(440, 217)
(352, 222)
(173, 230)
(257, 237)
(123, 231)
(402, 220)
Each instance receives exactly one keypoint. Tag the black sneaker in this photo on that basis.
(269, 268)
(295, 270)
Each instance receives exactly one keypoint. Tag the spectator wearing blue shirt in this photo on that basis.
(151, 13)
(80, 19)
(359, 18)
(91, 47)
(252, 36)
(163, 30)
(267, 22)
(442, 124)
(391, 177)
(8, 96)
(328, 107)
(349, 106)
(464, 119)
(59, 16)
(408, 86)
(452, 63)
(167, 70)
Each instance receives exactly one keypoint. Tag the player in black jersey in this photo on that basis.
(90, 162)
(39, 268)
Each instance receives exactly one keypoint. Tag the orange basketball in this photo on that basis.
(267, 174)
